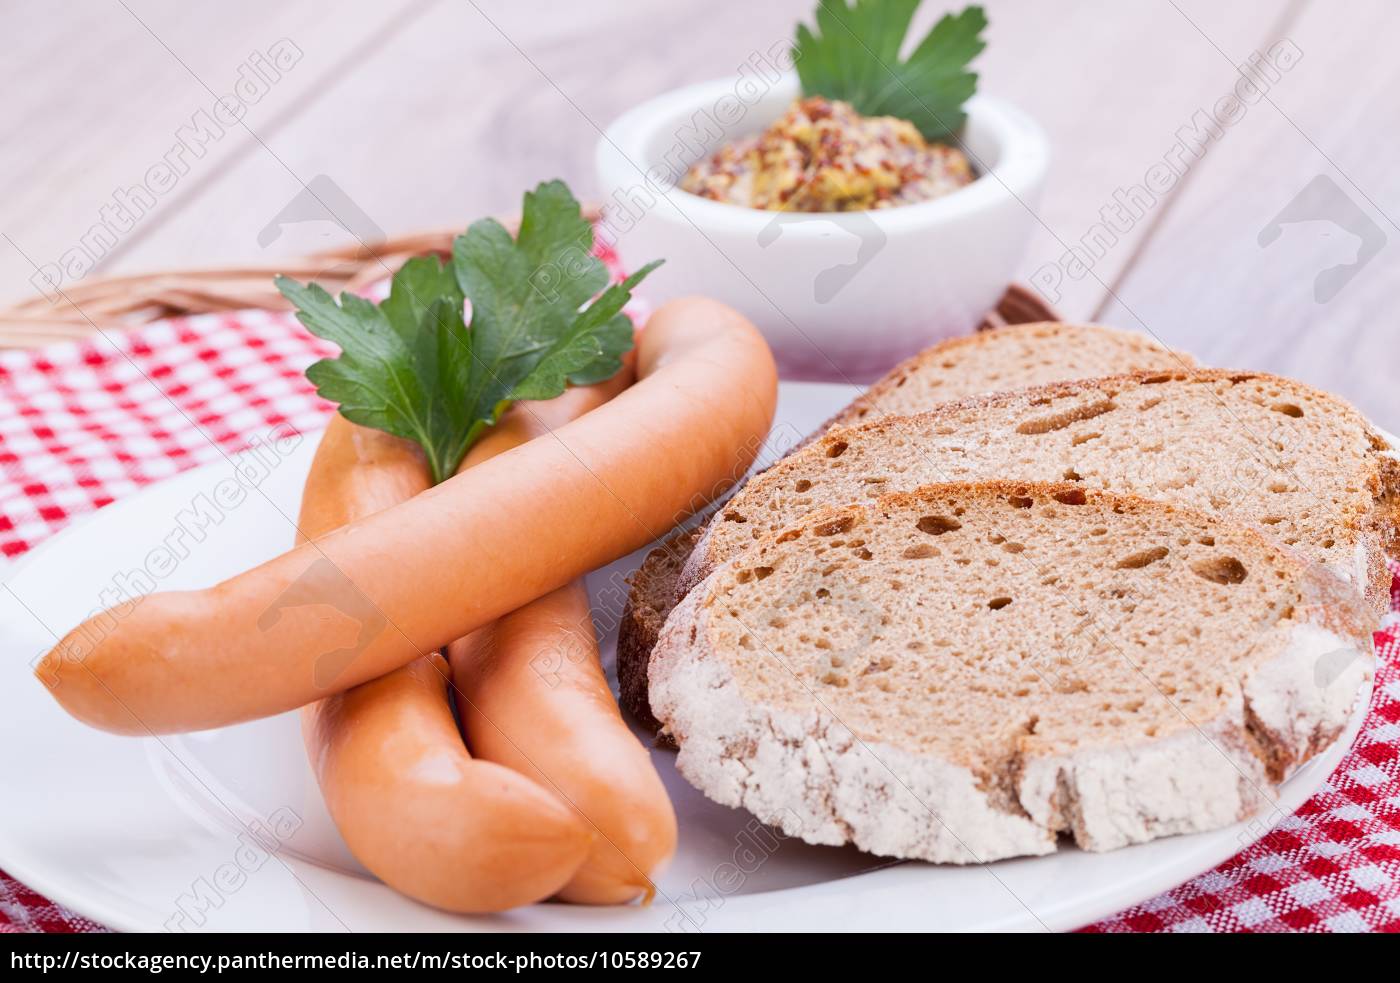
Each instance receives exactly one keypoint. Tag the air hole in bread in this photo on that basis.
(997, 603)
(734, 517)
(1072, 497)
(937, 525)
(1278, 487)
(1073, 475)
(833, 526)
(1065, 418)
(864, 553)
(1084, 438)
(789, 536)
(1288, 409)
(1021, 501)
(1221, 570)
(921, 551)
(762, 573)
(803, 485)
(1013, 547)
(836, 448)
(1143, 558)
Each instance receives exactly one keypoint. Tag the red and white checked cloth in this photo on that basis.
(84, 424)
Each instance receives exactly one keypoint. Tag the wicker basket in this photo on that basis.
(121, 302)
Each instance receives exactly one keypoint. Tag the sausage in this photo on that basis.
(411, 803)
(418, 575)
(532, 695)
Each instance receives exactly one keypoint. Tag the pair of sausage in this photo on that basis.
(427, 571)
(492, 832)
(411, 803)
(525, 520)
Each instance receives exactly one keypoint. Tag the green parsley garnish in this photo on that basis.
(854, 57)
(410, 366)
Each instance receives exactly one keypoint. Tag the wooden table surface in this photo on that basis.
(429, 113)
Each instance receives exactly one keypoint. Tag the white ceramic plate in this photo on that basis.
(149, 834)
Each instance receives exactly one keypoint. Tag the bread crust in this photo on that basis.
(805, 771)
(649, 602)
(1387, 494)
(852, 414)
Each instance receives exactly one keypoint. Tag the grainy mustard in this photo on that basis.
(823, 156)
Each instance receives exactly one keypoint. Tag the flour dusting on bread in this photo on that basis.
(965, 672)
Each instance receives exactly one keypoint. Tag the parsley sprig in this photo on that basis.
(410, 366)
(854, 56)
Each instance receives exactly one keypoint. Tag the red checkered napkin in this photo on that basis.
(84, 424)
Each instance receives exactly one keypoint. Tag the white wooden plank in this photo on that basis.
(1235, 273)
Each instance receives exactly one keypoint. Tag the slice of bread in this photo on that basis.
(1249, 446)
(1008, 358)
(1011, 357)
(963, 672)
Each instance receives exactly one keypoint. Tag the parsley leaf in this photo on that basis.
(411, 367)
(854, 57)
(529, 334)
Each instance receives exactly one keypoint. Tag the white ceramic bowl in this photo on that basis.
(839, 295)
